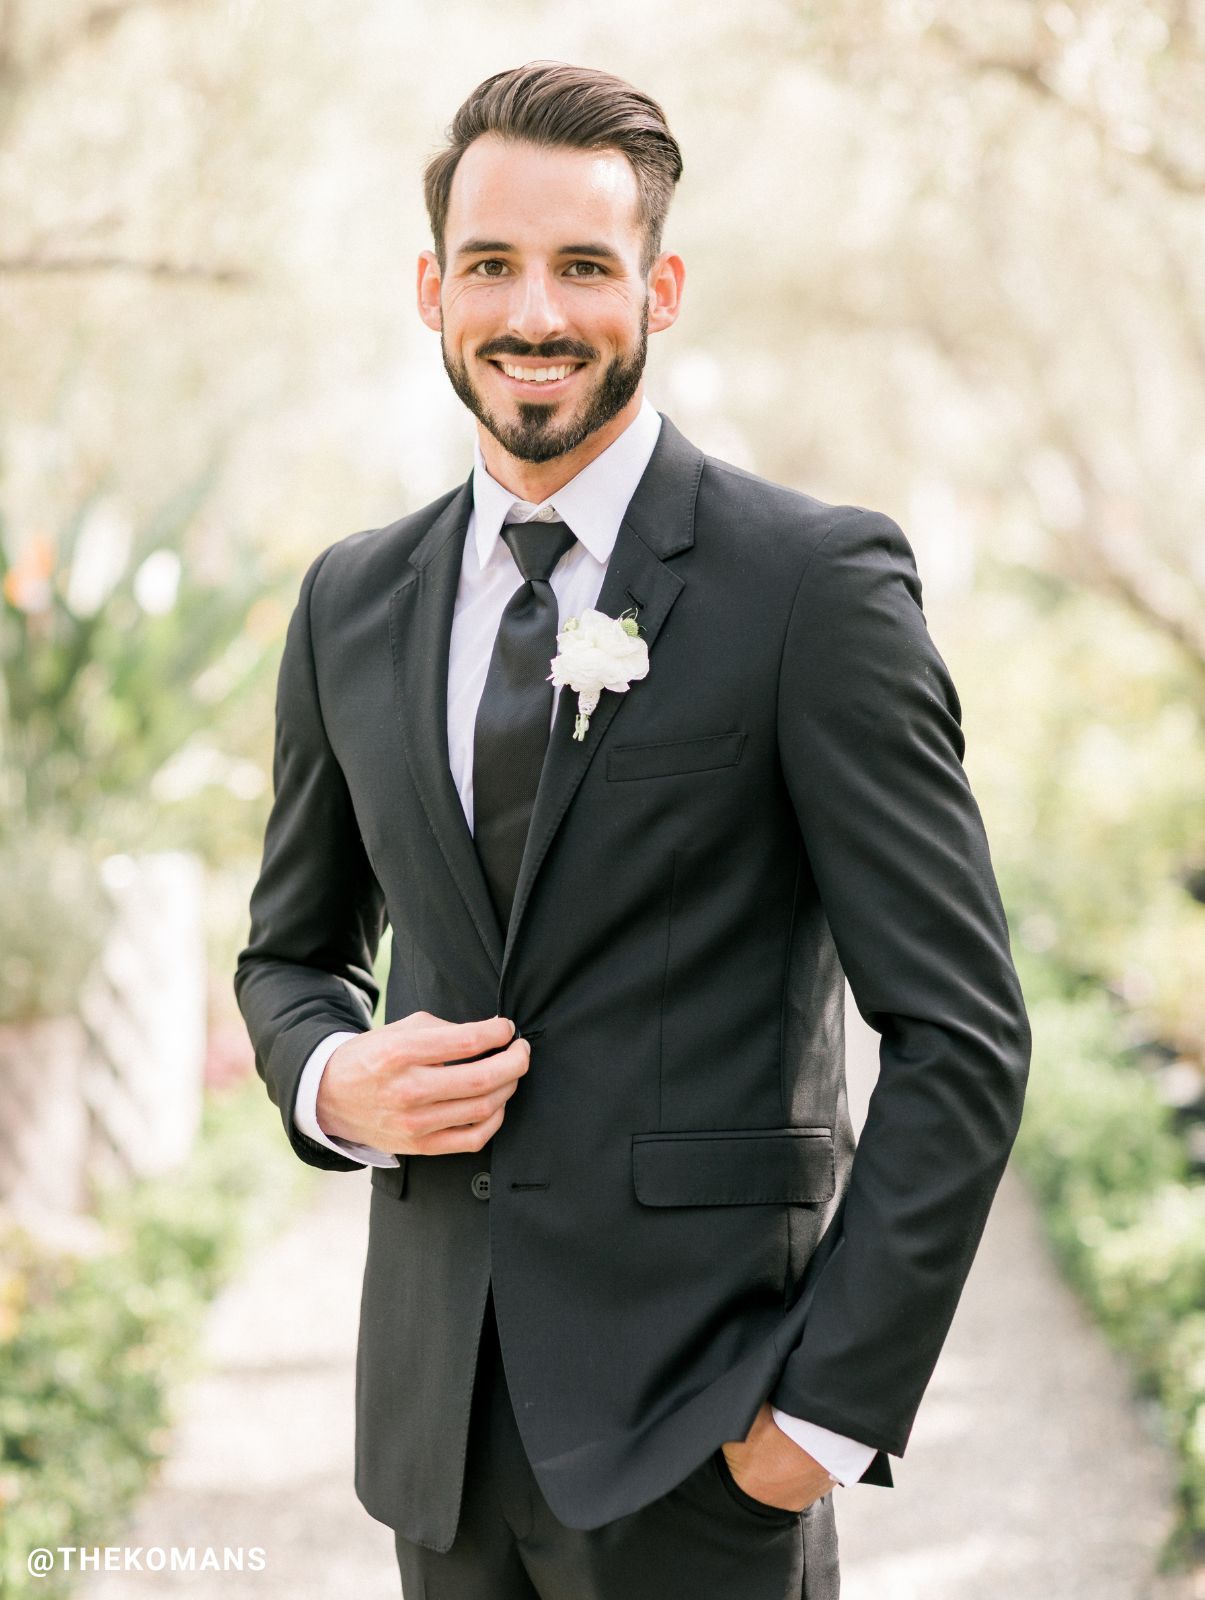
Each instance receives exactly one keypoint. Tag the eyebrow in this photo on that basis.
(478, 247)
(602, 251)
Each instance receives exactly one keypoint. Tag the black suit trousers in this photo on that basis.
(704, 1540)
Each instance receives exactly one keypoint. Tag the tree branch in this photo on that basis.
(1032, 76)
(1110, 554)
(93, 25)
(149, 267)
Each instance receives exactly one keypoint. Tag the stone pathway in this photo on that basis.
(263, 1450)
(1028, 1476)
(1030, 1473)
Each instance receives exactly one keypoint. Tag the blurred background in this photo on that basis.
(943, 263)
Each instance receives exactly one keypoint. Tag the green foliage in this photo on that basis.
(380, 971)
(52, 924)
(117, 645)
(1093, 1125)
(1098, 1149)
(1091, 789)
(90, 1349)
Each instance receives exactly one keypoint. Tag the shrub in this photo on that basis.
(53, 917)
(1099, 1150)
(90, 1349)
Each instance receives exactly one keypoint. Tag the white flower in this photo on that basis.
(157, 581)
(597, 652)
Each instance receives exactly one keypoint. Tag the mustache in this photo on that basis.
(549, 350)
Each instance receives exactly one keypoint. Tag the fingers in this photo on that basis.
(450, 1140)
(451, 1081)
(470, 1080)
(424, 1039)
(450, 1111)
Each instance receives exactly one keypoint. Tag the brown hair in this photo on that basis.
(553, 103)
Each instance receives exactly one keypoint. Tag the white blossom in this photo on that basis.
(597, 652)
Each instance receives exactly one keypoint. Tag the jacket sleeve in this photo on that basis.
(871, 748)
(317, 911)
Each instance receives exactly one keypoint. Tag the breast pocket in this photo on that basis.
(670, 756)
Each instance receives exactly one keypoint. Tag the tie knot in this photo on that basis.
(538, 546)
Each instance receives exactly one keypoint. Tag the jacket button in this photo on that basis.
(481, 1185)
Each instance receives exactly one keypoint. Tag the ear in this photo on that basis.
(666, 280)
(430, 280)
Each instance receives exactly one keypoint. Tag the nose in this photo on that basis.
(535, 307)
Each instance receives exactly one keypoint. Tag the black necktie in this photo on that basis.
(510, 735)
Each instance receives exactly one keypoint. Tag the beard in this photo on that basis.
(535, 435)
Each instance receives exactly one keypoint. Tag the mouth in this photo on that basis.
(536, 379)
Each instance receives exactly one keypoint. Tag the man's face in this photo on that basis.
(542, 306)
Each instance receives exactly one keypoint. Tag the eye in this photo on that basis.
(481, 267)
(593, 270)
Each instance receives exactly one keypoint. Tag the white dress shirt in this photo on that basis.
(593, 505)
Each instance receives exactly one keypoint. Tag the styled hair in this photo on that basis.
(552, 103)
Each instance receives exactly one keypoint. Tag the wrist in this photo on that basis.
(794, 1455)
(326, 1106)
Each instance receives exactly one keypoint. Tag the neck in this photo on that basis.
(536, 480)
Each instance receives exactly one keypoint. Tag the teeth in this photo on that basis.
(535, 374)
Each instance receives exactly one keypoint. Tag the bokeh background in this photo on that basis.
(944, 262)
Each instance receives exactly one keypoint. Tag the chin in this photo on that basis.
(531, 411)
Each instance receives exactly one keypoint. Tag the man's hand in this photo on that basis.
(772, 1467)
(408, 1088)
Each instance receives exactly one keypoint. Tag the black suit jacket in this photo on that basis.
(675, 1223)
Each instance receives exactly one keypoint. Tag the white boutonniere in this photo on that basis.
(597, 652)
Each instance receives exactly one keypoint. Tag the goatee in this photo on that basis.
(535, 436)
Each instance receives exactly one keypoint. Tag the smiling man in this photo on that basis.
(544, 289)
(633, 1304)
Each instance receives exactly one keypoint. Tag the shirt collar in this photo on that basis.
(593, 503)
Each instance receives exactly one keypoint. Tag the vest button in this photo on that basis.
(481, 1185)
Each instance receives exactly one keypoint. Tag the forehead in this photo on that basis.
(507, 189)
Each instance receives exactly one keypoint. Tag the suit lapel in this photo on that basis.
(659, 523)
(420, 630)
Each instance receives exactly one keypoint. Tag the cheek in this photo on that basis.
(610, 322)
(470, 310)
(624, 319)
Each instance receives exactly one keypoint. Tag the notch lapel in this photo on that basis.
(420, 630)
(659, 523)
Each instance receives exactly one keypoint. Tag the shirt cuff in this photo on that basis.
(845, 1459)
(305, 1107)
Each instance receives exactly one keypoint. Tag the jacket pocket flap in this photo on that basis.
(748, 1166)
(391, 1179)
(668, 756)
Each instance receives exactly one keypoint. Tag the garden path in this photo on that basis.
(1031, 1474)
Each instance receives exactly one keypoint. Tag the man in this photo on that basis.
(632, 1306)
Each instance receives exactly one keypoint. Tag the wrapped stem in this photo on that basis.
(587, 700)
